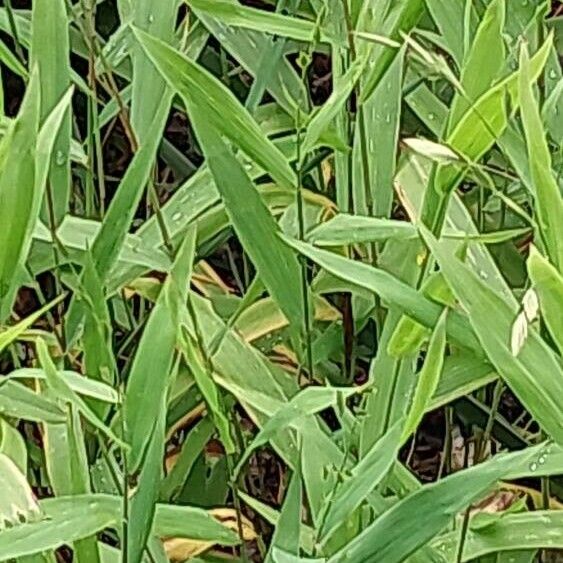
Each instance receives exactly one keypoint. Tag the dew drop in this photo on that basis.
(541, 460)
(533, 466)
(177, 216)
(552, 74)
(431, 116)
(151, 18)
(60, 158)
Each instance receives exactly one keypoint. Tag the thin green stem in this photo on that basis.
(125, 485)
(166, 240)
(301, 235)
(56, 258)
(463, 535)
(14, 32)
(480, 450)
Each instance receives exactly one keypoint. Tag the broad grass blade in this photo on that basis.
(547, 196)
(235, 14)
(363, 479)
(398, 532)
(17, 168)
(257, 230)
(390, 289)
(350, 229)
(148, 88)
(428, 378)
(548, 283)
(205, 95)
(543, 395)
(145, 392)
(483, 63)
(50, 55)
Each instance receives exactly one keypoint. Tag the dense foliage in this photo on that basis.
(281, 281)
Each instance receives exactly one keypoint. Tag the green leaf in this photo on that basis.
(27, 202)
(149, 95)
(483, 63)
(142, 507)
(309, 401)
(350, 229)
(50, 26)
(17, 168)
(205, 96)
(390, 289)
(541, 394)
(236, 15)
(462, 374)
(448, 16)
(17, 501)
(202, 373)
(65, 456)
(63, 392)
(396, 19)
(66, 462)
(69, 519)
(257, 230)
(110, 239)
(13, 445)
(14, 332)
(285, 85)
(262, 389)
(548, 284)
(529, 530)
(173, 484)
(150, 372)
(288, 527)
(547, 197)
(399, 531)
(18, 401)
(485, 121)
(323, 118)
(363, 479)
(99, 361)
(382, 113)
(79, 383)
(12, 62)
(428, 378)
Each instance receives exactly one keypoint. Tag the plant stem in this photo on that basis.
(14, 32)
(463, 535)
(480, 446)
(301, 235)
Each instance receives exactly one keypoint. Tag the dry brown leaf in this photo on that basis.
(498, 501)
(180, 549)
(534, 495)
(228, 517)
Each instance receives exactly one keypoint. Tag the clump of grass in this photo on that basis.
(281, 280)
